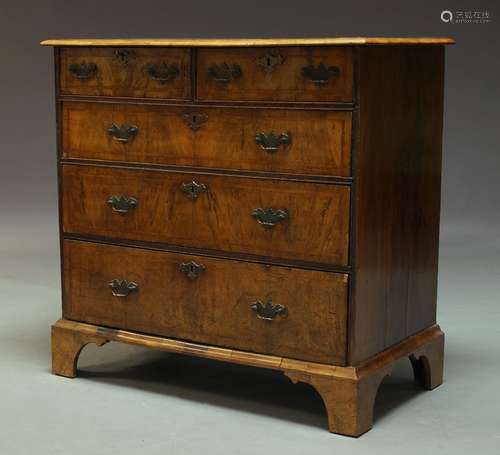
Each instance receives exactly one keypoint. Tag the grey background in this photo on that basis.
(130, 399)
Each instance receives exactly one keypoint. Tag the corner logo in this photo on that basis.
(465, 17)
(446, 16)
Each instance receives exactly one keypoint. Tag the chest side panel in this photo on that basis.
(397, 202)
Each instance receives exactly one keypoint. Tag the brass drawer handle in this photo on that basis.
(191, 269)
(224, 72)
(194, 120)
(123, 133)
(83, 70)
(122, 288)
(193, 189)
(268, 311)
(162, 72)
(320, 75)
(121, 204)
(269, 217)
(271, 142)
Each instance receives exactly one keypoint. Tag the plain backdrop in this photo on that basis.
(41, 413)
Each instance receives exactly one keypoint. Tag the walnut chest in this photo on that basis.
(272, 203)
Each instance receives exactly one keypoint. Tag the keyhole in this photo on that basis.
(268, 61)
(194, 120)
(123, 56)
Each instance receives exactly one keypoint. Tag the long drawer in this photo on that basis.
(270, 140)
(304, 221)
(265, 309)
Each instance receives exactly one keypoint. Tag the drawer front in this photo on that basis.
(289, 141)
(280, 219)
(301, 314)
(314, 74)
(126, 72)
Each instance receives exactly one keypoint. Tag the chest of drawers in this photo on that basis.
(272, 203)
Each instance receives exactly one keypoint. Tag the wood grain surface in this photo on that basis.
(317, 227)
(320, 140)
(353, 254)
(285, 83)
(214, 307)
(116, 77)
(348, 392)
(397, 178)
(246, 42)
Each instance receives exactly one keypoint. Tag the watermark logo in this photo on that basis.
(446, 16)
(465, 17)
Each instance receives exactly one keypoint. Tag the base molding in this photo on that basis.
(348, 392)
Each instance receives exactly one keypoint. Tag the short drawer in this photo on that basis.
(303, 221)
(312, 74)
(126, 72)
(273, 140)
(265, 309)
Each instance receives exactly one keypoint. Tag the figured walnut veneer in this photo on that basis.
(224, 138)
(219, 218)
(242, 42)
(212, 308)
(285, 83)
(347, 392)
(272, 203)
(124, 72)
